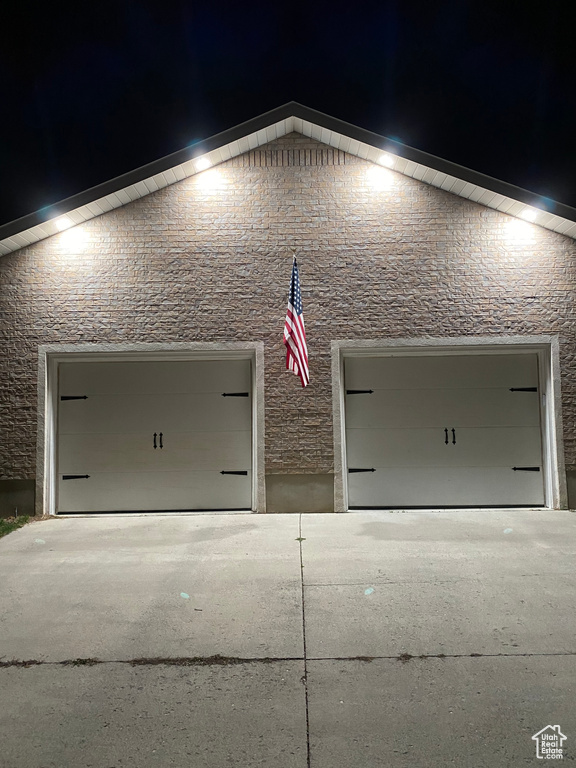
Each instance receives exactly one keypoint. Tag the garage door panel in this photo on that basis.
(489, 447)
(149, 491)
(471, 371)
(80, 453)
(465, 487)
(442, 408)
(399, 430)
(109, 436)
(162, 377)
(155, 413)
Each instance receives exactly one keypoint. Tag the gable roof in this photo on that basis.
(288, 118)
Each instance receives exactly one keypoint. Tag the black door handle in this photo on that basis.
(155, 446)
(453, 436)
(235, 394)
(516, 469)
(161, 444)
(446, 435)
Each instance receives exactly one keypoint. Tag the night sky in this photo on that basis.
(96, 90)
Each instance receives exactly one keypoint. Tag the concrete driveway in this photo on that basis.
(329, 641)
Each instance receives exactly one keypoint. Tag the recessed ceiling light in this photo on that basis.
(202, 163)
(388, 160)
(64, 223)
(529, 214)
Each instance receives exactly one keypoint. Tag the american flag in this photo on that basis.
(294, 333)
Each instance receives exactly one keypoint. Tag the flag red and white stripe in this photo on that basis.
(294, 332)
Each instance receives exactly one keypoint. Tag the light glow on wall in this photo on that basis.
(520, 231)
(74, 239)
(210, 181)
(380, 179)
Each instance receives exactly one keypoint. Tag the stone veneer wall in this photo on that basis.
(209, 259)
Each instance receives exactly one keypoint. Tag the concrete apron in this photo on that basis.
(430, 639)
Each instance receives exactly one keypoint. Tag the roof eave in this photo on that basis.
(275, 116)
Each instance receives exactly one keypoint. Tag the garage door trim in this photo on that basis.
(50, 357)
(547, 349)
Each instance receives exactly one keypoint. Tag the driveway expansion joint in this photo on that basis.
(225, 661)
(305, 675)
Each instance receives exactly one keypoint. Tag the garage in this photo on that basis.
(444, 430)
(154, 435)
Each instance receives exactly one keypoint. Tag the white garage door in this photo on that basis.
(443, 431)
(169, 435)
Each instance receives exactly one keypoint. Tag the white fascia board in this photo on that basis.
(433, 177)
(253, 141)
(316, 132)
(178, 172)
(115, 200)
(40, 231)
(21, 239)
(419, 172)
(243, 145)
(567, 228)
(410, 168)
(159, 179)
(9, 245)
(326, 136)
(188, 169)
(516, 208)
(104, 204)
(476, 194)
(448, 183)
(400, 165)
(496, 201)
(262, 137)
(170, 176)
(363, 151)
(546, 219)
(150, 183)
(506, 205)
(94, 208)
(485, 197)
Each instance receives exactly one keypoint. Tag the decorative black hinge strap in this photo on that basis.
(523, 389)
(75, 477)
(237, 472)
(74, 397)
(351, 470)
(235, 394)
(359, 391)
(526, 469)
